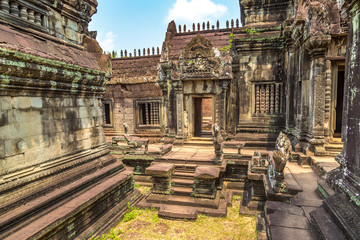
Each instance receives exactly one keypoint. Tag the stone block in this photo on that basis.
(36, 102)
(24, 116)
(83, 112)
(2, 149)
(4, 118)
(22, 102)
(14, 162)
(5, 103)
(160, 170)
(272, 206)
(283, 219)
(207, 172)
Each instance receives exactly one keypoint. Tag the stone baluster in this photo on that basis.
(267, 99)
(144, 52)
(232, 23)
(147, 121)
(125, 53)
(237, 23)
(153, 51)
(121, 53)
(272, 98)
(227, 24)
(179, 28)
(31, 16)
(158, 50)
(193, 27)
(130, 55)
(208, 25)
(213, 27)
(139, 52)
(4, 5)
(184, 28)
(217, 24)
(14, 10)
(262, 99)
(45, 21)
(198, 26)
(134, 52)
(148, 51)
(277, 98)
(23, 13)
(257, 99)
(203, 26)
(38, 18)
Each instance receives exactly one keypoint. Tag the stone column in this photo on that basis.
(346, 178)
(222, 117)
(317, 46)
(179, 109)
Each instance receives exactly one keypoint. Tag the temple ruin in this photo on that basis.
(266, 107)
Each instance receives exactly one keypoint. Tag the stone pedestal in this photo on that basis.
(205, 182)
(161, 176)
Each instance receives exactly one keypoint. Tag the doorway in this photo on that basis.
(337, 99)
(203, 116)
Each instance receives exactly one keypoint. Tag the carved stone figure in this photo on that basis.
(281, 155)
(134, 141)
(217, 141)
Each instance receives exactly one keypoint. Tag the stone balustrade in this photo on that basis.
(24, 12)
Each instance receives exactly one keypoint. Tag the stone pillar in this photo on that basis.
(179, 110)
(346, 178)
(222, 116)
(317, 46)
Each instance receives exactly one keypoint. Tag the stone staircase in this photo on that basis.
(200, 141)
(334, 148)
(182, 182)
(85, 200)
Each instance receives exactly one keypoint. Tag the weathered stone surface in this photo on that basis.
(272, 206)
(207, 172)
(283, 219)
(160, 169)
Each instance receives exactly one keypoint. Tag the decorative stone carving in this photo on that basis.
(281, 155)
(217, 142)
(135, 141)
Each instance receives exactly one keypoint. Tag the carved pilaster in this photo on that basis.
(179, 109)
(317, 46)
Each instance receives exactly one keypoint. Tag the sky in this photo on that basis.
(134, 24)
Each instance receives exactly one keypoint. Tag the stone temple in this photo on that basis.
(267, 107)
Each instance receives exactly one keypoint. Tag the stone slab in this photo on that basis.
(272, 206)
(207, 172)
(283, 233)
(283, 219)
(160, 170)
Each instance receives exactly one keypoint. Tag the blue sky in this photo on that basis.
(134, 24)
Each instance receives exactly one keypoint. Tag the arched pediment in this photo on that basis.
(199, 47)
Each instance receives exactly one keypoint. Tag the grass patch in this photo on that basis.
(145, 224)
(142, 189)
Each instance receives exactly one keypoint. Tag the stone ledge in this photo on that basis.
(160, 170)
(207, 172)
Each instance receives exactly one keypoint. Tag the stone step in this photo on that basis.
(198, 143)
(182, 191)
(325, 230)
(180, 182)
(66, 211)
(323, 189)
(183, 175)
(345, 214)
(181, 201)
(177, 212)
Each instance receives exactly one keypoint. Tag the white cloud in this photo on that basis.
(194, 11)
(107, 41)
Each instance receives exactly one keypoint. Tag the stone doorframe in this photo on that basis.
(189, 110)
(334, 89)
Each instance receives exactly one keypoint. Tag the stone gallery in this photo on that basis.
(266, 107)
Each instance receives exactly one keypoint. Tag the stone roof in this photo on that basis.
(218, 38)
(48, 47)
(134, 70)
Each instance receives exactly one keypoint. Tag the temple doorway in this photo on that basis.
(337, 99)
(203, 116)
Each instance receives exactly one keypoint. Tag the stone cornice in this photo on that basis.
(20, 71)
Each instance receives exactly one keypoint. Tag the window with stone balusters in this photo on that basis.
(267, 98)
(107, 113)
(148, 112)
